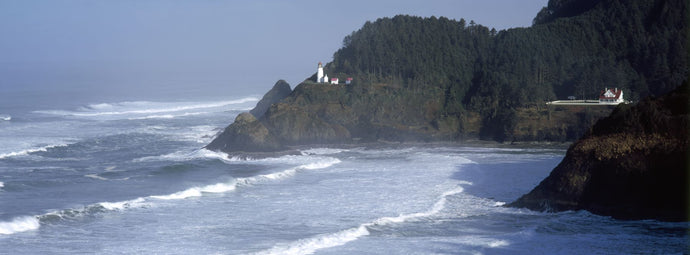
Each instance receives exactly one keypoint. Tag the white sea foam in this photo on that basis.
(97, 177)
(29, 151)
(19, 224)
(2, 184)
(134, 203)
(180, 156)
(322, 151)
(191, 192)
(30, 223)
(312, 244)
(169, 116)
(323, 163)
(5, 117)
(199, 191)
(144, 108)
(246, 181)
(483, 242)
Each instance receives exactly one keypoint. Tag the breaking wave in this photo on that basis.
(5, 117)
(29, 151)
(181, 156)
(19, 224)
(27, 223)
(149, 110)
(247, 181)
(312, 244)
(322, 151)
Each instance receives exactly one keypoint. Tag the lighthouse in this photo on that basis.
(319, 74)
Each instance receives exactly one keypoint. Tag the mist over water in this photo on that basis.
(130, 175)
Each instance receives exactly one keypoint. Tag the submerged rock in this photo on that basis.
(631, 165)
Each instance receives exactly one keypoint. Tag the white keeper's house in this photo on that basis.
(611, 96)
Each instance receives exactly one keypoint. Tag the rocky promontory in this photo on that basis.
(280, 91)
(630, 165)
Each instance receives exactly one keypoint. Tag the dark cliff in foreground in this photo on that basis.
(631, 165)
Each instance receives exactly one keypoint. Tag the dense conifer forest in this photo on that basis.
(574, 48)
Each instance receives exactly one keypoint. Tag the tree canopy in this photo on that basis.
(575, 48)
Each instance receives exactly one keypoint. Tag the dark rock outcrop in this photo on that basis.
(280, 91)
(246, 134)
(631, 165)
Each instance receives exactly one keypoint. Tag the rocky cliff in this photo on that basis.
(246, 134)
(280, 91)
(631, 165)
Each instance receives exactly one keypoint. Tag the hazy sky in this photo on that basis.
(143, 46)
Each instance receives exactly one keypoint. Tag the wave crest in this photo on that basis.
(19, 224)
(29, 151)
(149, 110)
(311, 245)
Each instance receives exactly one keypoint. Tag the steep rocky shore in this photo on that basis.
(316, 113)
(280, 91)
(631, 165)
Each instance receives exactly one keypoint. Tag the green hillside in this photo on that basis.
(436, 79)
(575, 48)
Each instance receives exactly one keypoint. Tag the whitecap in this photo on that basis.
(143, 107)
(483, 242)
(246, 181)
(322, 151)
(169, 116)
(97, 177)
(29, 151)
(19, 224)
(312, 244)
(198, 191)
(2, 184)
(191, 192)
(323, 163)
(113, 206)
(5, 117)
(181, 156)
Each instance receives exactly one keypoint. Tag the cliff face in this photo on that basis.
(631, 165)
(435, 79)
(280, 91)
(246, 134)
(326, 114)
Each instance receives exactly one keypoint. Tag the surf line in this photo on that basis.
(27, 223)
(312, 244)
(248, 181)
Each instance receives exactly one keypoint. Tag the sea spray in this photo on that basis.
(19, 224)
(246, 181)
(312, 244)
(30, 151)
(127, 109)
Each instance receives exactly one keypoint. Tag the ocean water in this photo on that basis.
(132, 177)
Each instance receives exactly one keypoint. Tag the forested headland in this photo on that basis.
(437, 79)
(575, 48)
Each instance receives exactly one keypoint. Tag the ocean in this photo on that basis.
(122, 176)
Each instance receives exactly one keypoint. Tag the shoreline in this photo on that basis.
(297, 149)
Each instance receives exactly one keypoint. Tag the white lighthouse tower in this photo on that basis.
(319, 74)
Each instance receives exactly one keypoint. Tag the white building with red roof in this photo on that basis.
(611, 96)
